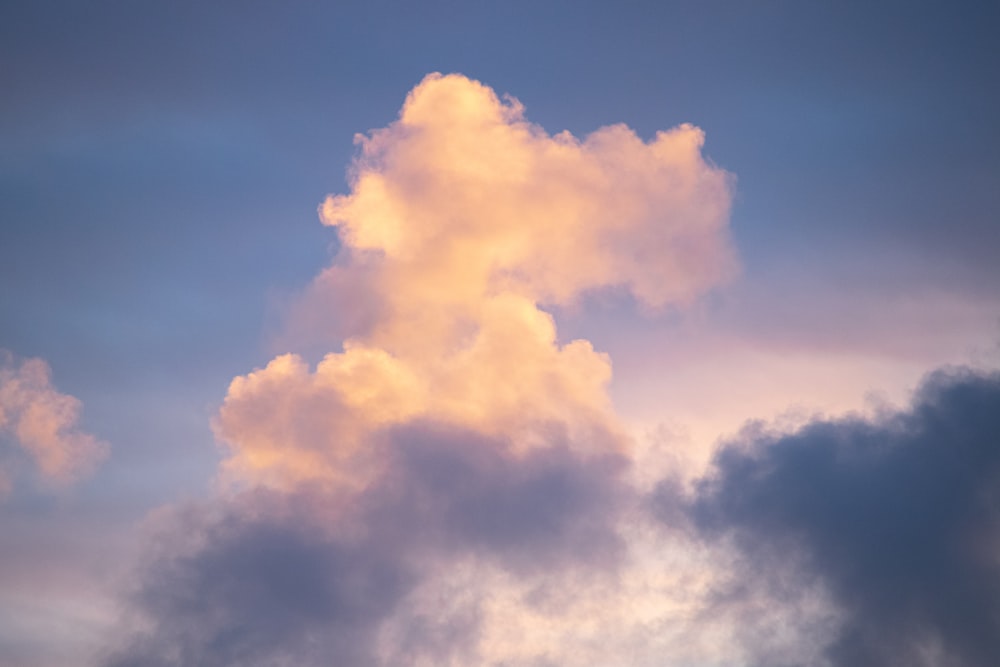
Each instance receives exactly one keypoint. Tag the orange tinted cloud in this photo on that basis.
(463, 220)
(464, 197)
(456, 473)
(42, 421)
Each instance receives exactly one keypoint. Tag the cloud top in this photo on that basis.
(464, 198)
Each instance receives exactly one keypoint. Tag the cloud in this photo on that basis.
(454, 471)
(897, 518)
(41, 421)
(286, 423)
(462, 221)
(453, 486)
(463, 193)
(277, 577)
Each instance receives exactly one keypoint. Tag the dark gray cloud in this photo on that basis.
(260, 588)
(544, 508)
(309, 577)
(898, 518)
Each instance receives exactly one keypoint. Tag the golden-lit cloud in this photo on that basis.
(464, 220)
(453, 440)
(463, 198)
(42, 422)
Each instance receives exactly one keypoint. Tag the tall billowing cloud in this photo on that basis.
(42, 422)
(463, 220)
(454, 473)
(897, 519)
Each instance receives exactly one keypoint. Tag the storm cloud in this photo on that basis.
(897, 518)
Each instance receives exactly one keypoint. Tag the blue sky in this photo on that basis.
(162, 166)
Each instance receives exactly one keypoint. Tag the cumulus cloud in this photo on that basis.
(464, 198)
(455, 473)
(462, 221)
(897, 519)
(42, 422)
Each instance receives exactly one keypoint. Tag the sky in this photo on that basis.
(553, 334)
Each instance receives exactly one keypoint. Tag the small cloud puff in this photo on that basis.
(42, 422)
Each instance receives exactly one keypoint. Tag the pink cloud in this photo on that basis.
(42, 422)
(463, 221)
